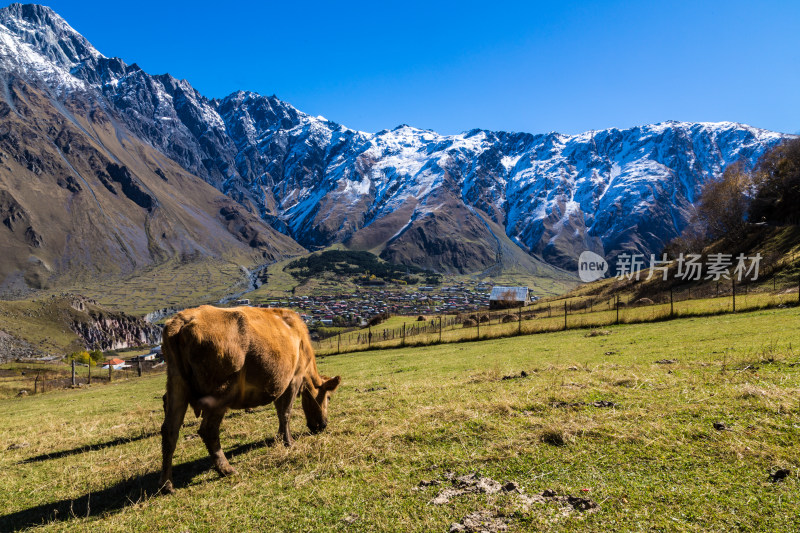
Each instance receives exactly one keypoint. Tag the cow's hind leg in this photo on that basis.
(209, 431)
(283, 405)
(176, 400)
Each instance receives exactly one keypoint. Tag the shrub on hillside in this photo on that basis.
(378, 319)
(81, 357)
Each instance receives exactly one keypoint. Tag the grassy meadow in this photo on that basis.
(651, 459)
(171, 284)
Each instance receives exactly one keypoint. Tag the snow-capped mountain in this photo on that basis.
(83, 195)
(461, 202)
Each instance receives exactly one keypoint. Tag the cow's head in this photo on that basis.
(315, 403)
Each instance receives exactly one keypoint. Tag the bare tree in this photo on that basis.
(724, 203)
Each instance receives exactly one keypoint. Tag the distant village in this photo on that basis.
(366, 302)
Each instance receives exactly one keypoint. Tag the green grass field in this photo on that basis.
(170, 284)
(88, 460)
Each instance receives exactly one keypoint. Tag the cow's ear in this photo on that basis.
(332, 383)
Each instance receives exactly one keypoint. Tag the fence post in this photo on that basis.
(565, 315)
(798, 288)
(369, 337)
(339, 343)
(36, 384)
(440, 328)
(519, 321)
(618, 309)
(671, 307)
(478, 314)
(733, 284)
(139, 366)
(404, 334)
(73, 373)
(109, 372)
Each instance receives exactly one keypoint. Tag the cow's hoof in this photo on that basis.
(167, 488)
(225, 470)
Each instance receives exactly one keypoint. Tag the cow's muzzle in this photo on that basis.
(319, 428)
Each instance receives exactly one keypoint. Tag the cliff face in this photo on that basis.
(101, 329)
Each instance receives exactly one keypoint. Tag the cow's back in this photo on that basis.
(241, 352)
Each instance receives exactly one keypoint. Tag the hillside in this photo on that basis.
(637, 443)
(779, 270)
(55, 326)
(80, 197)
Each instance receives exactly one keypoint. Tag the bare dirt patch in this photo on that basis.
(489, 521)
(480, 522)
(779, 475)
(598, 333)
(467, 484)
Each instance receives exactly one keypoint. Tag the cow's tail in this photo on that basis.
(170, 349)
(177, 366)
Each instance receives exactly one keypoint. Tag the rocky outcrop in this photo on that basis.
(160, 314)
(115, 332)
(101, 329)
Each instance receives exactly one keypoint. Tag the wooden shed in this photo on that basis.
(508, 297)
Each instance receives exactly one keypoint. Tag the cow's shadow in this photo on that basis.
(88, 448)
(114, 442)
(115, 498)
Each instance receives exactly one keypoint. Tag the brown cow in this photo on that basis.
(238, 358)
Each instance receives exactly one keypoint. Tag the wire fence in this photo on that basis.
(23, 379)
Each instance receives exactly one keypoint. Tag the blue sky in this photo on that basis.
(453, 66)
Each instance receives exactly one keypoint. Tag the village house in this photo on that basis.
(508, 297)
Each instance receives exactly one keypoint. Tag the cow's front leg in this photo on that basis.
(209, 432)
(283, 405)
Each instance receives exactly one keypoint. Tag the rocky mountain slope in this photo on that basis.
(82, 195)
(478, 201)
